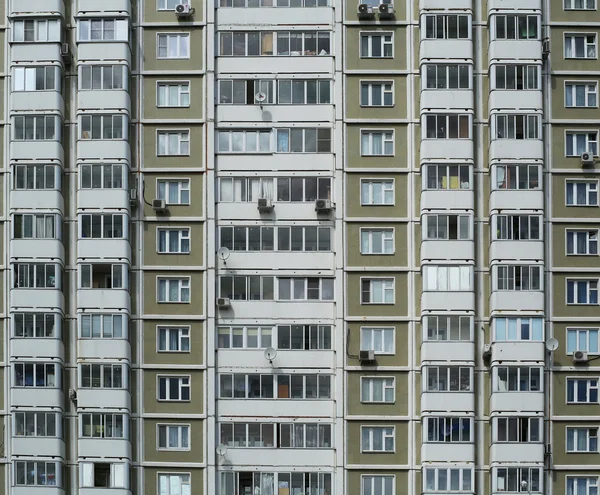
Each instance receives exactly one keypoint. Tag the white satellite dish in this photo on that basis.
(223, 254)
(270, 354)
(221, 450)
(551, 344)
(260, 97)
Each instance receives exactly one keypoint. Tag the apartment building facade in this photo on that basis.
(299, 247)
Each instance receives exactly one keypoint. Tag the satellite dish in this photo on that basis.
(223, 253)
(221, 450)
(260, 97)
(551, 344)
(270, 354)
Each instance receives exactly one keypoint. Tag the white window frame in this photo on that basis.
(388, 385)
(528, 74)
(183, 283)
(183, 93)
(386, 432)
(120, 30)
(590, 89)
(590, 237)
(570, 38)
(181, 148)
(367, 236)
(386, 89)
(102, 326)
(442, 225)
(465, 482)
(367, 191)
(183, 436)
(591, 187)
(443, 174)
(518, 329)
(388, 285)
(572, 5)
(114, 68)
(501, 171)
(590, 482)
(172, 38)
(50, 30)
(584, 336)
(184, 235)
(165, 482)
(183, 336)
(25, 78)
(452, 125)
(505, 126)
(589, 388)
(381, 349)
(384, 42)
(378, 484)
(591, 142)
(592, 286)
(454, 278)
(440, 75)
(590, 434)
(434, 332)
(185, 381)
(164, 4)
(387, 137)
(183, 187)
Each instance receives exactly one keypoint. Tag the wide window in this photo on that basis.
(103, 276)
(580, 46)
(255, 386)
(298, 140)
(447, 227)
(377, 45)
(173, 241)
(173, 143)
(511, 479)
(516, 27)
(36, 424)
(43, 375)
(447, 278)
(515, 177)
(103, 474)
(447, 430)
(582, 440)
(36, 325)
(447, 479)
(582, 339)
(518, 429)
(239, 141)
(44, 78)
(173, 192)
(377, 389)
(173, 94)
(447, 76)
(377, 241)
(172, 339)
(294, 189)
(448, 379)
(247, 287)
(376, 192)
(32, 177)
(173, 45)
(379, 340)
(273, 3)
(103, 30)
(447, 328)
(303, 43)
(244, 91)
(305, 436)
(103, 226)
(252, 337)
(579, 5)
(377, 291)
(99, 176)
(103, 425)
(37, 30)
(304, 92)
(582, 242)
(171, 4)
(446, 26)
(174, 388)
(248, 435)
(173, 437)
(584, 193)
(103, 376)
(40, 226)
(374, 143)
(303, 337)
(378, 484)
(582, 391)
(519, 277)
(36, 276)
(518, 227)
(38, 473)
(174, 484)
(104, 126)
(103, 326)
(377, 439)
(36, 128)
(447, 177)
(581, 95)
(440, 126)
(103, 77)
(580, 485)
(306, 239)
(582, 291)
(581, 142)
(518, 329)
(173, 290)
(518, 379)
(511, 126)
(516, 76)
(377, 94)
(306, 289)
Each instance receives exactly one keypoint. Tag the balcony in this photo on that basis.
(106, 6)
(37, 150)
(37, 298)
(451, 199)
(513, 100)
(42, 446)
(525, 453)
(95, 52)
(104, 248)
(37, 348)
(526, 5)
(275, 16)
(447, 250)
(324, 458)
(36, 248)
(516, 250)
(99, 198)
(447, 301)
(516, 149)
(105, 299)
(446, 49)
(277, 408)
(285, 358)
(21, 199)
(104, 349)
(450, 99)
(517, 401)
(102, 397)
(516, 300)
(305, 65)
(438, 149)
(37, 7)
(37, 100)
(518, 351)
(521, 199)
(119, 149)
(275, 113)
(515, 49)
(36, 52)
(279, 309)
(102, 100)
(273, 161)
(441, 350)
(37, 397)
(104, 447)
(447, 452)
(448, 402)
(37, 490)
(279, 261)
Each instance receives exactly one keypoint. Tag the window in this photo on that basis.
(103, 474)
(444, 27)
(380, 241)
(244, 141)
(511, 126)
(299, 43)
(447, 177)
(447, 227)
(267, 483)
(36, 424)
(518, 429)
(305, 436)
(447, 479)
(582, 391)
(377, 143)
(580, 46)
(247, 287)
(377, 45)
(448, 378)
(44, 78)
(377, 94)
(38, 473)
(518, 379)
(376, 192)
(516, 76)
(294, 189)
(377, 389)
(173, 143)
(447, 278)
(582, 440)
(378, 484)
(174, 484)
(255, 386)
(36, 276)
(379, 340)
(439, 126)
(174, 388)
(173, 45)
(516, 27)
(171, 4)
(36, 325)
(103, 326)
(173, 290)
(34, 177)
(377, 291)
(173, 339)
(305, 289)
(103, 376)
(103, 425)
(447, 76)
(579, 485)
(582, 339)
(519, 277)
(514, 177)
(104, 126)
(243, 91)
(581, 95)
(245, 337)
(579, 5)
(173, 94)
(248, 435)
(39, 375)
(103, 30)
(518, 329)
(582, 142)
(36, 128)
(447, 430)
(582, 193)
(103, 276)
(173, 241)
(99, 176)
(306, 239)
(271, 3)
(297, 140)
(303, 92)
(174, 192)
(41, 226)
(518, 227)
(245, 44)
(103, 77)
(173, 437)
(582, 291)
(103, 226)
(447, 328)
(37, 30)
(511, 479)
(582, 242)
(304, 337)
(377, 439)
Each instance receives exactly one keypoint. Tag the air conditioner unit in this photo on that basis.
(66, 53)
(365, 11)
(580, 357)
(265, 204)
(545, 48)
(223, 302)
(386, 11)
(183, 10)
(133, 196)
(324, 205)
(587, 159)
(487, 351)
(366, 356)
(159, 205)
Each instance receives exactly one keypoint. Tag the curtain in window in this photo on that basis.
(377, 140)
(174, 291)
(502, 381)
(267, 484)
(580, 143)
(174, 241)
(365, 144)
(174, 431)
(512, 329)
(162, 290)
